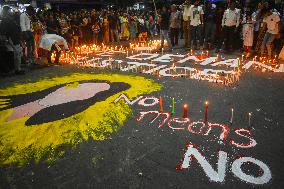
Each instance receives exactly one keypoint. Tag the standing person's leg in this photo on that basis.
(166, 35)
(111, 35)
(231, 36)
(271, 38)
(199, 35)
(94, 37)
(116, 35)
(255, 36)
(264, 42)
(176, 35)
(193, 36)
(226, 37)
(189, 34)
(30, 47)
(219, 38)
(185, 33)
(172, 36)
(207, 30)
(17, 57)
(212, 35)
(162, 36)
(248, 51)
(182, 31)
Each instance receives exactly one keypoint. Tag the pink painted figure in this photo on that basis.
(60, 96)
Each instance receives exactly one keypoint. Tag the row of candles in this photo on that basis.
(86, 50)
(148, 47)
(185, 111)
(264, 60)
(81, 56)
(225, 79)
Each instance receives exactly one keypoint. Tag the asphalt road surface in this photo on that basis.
(143, 155)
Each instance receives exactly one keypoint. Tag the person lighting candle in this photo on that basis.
(53, 43)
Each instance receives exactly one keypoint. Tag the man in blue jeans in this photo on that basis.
(164, 27)
(271, 20)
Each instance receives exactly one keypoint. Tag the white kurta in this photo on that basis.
(47, 40)
(248, 34)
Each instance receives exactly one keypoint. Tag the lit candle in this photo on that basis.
(161, 104)
(239, 64)
(173, 105)
(185, 111)
(232, 115)
(249, 119)
(206, 113)
(162, 51)
(207, 53)
(243, 58)
(127, 53)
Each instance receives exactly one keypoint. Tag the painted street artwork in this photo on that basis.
(144, 120)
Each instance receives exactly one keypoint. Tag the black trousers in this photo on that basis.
(57, 54)
(174, 33)
(229, 35)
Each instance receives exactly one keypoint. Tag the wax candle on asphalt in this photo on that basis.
(249, 119)
(206, 113)
(185, 111)
(173, 105)
(161, 104)
(232, 115)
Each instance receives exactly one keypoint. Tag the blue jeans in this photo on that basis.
(165, 35)
(267, 41)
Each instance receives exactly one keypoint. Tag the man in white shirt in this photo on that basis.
(271, 21)
(230, 24)
(28, 36)
(186, 20)
(196, 23)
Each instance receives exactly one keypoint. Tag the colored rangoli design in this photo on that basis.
(37, 118)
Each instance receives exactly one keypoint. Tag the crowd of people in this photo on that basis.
(227, 27)
(230, 28)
